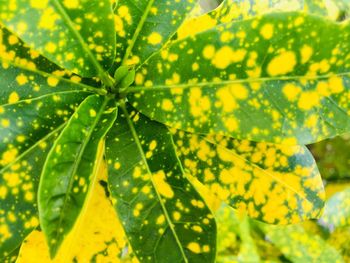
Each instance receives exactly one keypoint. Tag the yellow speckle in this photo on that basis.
(71, 3)
(152, 145)
(50, 47)
(48, 19)
(39, 4)
(167, 105)
(282, 64)
(29, 196)
(162, 186)
(13, 98)
(308, 100)
(160, 220)
(5, 123)
(306, 53)
(154, 38)
(21, 79)
(267, 31)
(194, 247)
(92, 113)
(291, 91)
(21, 138)
(52, 81)
(117, 165)
(13, 40)
(209, 52)
(336, 84)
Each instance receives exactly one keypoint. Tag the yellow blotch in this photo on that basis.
(308, 100)
(152, 145)
(194, 247)
(196, 25)
(5, 123)
(3, 192)
(225, 56)
(176, 216)
(306, 53)
(282, 64)
(209, 52)
(13, 98)
(167, 105)
(48, 19)
(21, 79)
(154, 38)
(71, 3)
(52, 81)
(50, 47)
(39, 4)
(13, 40)
(267, 31)
(336, 84)
(291, 91)
(92, 113)
(162, 186)
(231, 124)
(160, 220)
(117, 165)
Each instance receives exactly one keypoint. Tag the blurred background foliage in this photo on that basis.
(240, 239)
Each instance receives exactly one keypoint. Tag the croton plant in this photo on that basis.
(167, 99)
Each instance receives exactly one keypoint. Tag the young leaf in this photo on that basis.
(164, 217)
(70, 33)
(69, 169)
(143, 27)
(264, 79)
(273, 183)
(298, 246)
(337, 211)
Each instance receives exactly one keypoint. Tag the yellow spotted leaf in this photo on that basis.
(273, 183)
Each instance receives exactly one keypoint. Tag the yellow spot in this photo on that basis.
(194, 247)
(13, 40)
(225, 56)
(176, 216)
(152, 145)
(267, 31)
(308, 100)
(13, 98)
(209, 52)
(50, 47)
(21, 138)
(167, 105)
(3, 192)
(29, 196)
(71, 3)
(336, 84)
(162, 186)
(5, 123)
(39, 4)
(231, 124)
(117, 165)
(21, 79)
(306, 53)
(52, 81)
(154, 38)
(282, 64)
(92, 113)
(160, 220)
(291, 91)
(48, 19)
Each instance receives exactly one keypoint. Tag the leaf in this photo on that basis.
(143, 27)
(69, 170)
(235, 10)
(300, 247)
(70, 33)
(333, 157)
(269, 89)
(97, 237)
(272, 183)
(337, 211)
(165, 219)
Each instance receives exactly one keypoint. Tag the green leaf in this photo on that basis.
(143, 27)
(333, 157)
(298, 246)
(273, 183)
(165, 219)
(69, 171)
(70, 33)
(12, 257)
(253, 79)
(337, 211)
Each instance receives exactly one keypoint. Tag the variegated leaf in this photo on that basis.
(273, 183)
(57, 29)
(143, 27)
(264, 79)
(164, 217)
(70, 168)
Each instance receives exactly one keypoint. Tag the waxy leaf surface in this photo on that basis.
(76, 35)
(164, 217)
(282, 78)
(70, 168)
(273, 183)
(143, 27)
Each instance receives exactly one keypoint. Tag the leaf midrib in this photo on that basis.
(102, 73)
(213, 84)
(137, 31)
(139, 146)
(77, 161)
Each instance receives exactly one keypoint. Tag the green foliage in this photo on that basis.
(187, 108)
